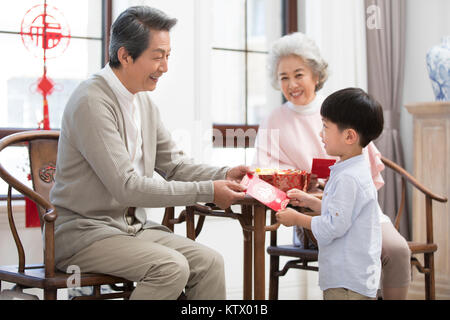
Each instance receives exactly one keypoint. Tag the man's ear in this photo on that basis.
(351, 136)
(124, 57)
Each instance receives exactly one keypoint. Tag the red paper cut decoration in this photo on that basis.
(46, 34)
(44, 28)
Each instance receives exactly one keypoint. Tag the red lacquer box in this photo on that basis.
(285, 179)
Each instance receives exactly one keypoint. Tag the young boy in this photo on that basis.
(348, 229)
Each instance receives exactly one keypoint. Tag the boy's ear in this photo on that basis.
(351, 136)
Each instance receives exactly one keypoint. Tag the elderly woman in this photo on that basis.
(289, 138)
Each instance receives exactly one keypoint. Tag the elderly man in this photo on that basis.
(112, 140)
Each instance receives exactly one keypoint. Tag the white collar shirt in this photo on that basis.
(131, 116)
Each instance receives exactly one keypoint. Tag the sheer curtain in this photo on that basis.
(338, 27)
(386, 59)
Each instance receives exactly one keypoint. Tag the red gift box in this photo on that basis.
(286, 179)
(266, 177)
(289, 180)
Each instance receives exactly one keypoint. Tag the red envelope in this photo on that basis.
(321, 167)
(264, 192)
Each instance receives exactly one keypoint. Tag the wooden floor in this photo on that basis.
(225, 236)
(222, 234)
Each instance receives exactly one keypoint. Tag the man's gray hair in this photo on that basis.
(302, 46)
(132, 30)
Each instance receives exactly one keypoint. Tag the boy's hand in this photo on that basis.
(287, 217)
(298, 198)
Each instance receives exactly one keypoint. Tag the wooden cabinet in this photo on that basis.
(432, 168)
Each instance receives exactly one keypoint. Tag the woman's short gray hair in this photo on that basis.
(300, 45)
(132, 30)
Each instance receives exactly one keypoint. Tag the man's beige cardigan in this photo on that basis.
(95, 180)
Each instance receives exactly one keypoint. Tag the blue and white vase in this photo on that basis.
(438, 65)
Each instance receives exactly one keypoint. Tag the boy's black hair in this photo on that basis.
(352, 108)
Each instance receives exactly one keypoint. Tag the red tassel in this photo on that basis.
(46, 121)
(31, 214)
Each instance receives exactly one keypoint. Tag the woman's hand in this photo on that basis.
(313, 182)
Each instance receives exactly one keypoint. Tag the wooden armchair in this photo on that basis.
(42, 147)
(307, 255)
(428, 248)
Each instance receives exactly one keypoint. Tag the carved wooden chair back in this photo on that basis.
(43, 146)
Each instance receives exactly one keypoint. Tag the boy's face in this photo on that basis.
(332, 138)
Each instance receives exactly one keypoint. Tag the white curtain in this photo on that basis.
(338, 27)
(386, 63)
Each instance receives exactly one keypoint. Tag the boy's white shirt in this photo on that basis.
(348, 230)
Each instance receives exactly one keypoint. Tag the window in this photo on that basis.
(75, 44)
(241, 90)
(21, 103)
(240, 82)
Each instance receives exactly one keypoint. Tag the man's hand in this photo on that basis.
(227, 192)
(237, 173)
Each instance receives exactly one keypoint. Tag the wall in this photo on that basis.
(426, 23)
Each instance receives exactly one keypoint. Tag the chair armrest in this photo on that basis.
(50, 214)
(412, 180)
(49, 239)
(48, 217)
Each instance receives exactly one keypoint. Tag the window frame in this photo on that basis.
(105, 38)
(106, 28)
